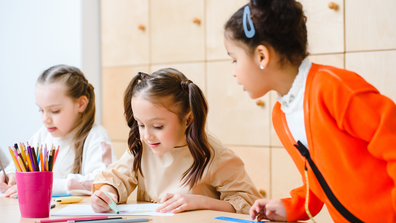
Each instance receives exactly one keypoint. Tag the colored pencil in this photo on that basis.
(22, 165)
(30, 169)
(56, 153)
(71, 218)
(22, 162)
(14, 159)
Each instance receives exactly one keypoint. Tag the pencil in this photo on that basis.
(50, 157)
(30, 168)
(53, 159)
(22, 166)
(22, 162)
(31, 155)
(22, 151)
(71, 218)
(42, 159)
(14, 159)
(56, 153)
(34, 159)
(118, 220)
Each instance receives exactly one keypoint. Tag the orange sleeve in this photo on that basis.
(295, 206)
(371, 117)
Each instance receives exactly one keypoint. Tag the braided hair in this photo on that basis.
(77, 86)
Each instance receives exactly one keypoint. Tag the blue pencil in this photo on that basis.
(61, 195)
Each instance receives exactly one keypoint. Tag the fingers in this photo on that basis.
(166, 197)
(172, 203)
(181, 208)
(99, 202)
(258, 209)
(3, 187)
(11, 191)
(275, 210)
(11, 179)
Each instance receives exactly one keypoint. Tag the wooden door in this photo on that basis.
(257, 165)
(177, 29)
(217, 14)
(370, 25)
(124, 32)
(325, 26)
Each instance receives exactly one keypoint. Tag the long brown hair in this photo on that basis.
(184, 97)
(280, 24)
(77, 86)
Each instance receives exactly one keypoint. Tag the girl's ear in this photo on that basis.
(82, 103)
(262, 54)
(189, 118)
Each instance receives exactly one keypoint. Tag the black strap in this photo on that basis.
(333, 199)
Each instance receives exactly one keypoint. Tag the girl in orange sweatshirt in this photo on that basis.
(338, 129)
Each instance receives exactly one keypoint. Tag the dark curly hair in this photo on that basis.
(278, 23)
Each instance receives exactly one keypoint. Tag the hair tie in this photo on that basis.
(184, 85)
(246, 14)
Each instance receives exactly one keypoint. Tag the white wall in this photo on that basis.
(35, 35)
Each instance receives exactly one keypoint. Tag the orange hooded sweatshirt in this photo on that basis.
(351, 133)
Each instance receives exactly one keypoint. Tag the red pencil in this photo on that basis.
(70, 219)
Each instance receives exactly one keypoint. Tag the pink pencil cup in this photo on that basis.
(34, 193)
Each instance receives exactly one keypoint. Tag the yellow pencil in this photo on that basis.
(14, 159)
(22, 166)
(22, 152)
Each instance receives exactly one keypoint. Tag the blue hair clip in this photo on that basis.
(246, 14)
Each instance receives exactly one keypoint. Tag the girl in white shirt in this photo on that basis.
(67, 105)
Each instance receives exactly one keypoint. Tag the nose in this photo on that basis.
(147, 135)
(46, 118)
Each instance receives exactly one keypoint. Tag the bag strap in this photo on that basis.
(330, 195)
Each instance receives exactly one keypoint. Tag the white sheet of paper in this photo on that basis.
(124, 209)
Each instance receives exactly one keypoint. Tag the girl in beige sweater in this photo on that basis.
(171, 159)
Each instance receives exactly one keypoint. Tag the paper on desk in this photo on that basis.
(125, 209)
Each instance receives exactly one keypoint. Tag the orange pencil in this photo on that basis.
(29, 163)
(41, 159)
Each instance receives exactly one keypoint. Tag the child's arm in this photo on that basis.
(372, 118)
(119, 176)
(185, 202)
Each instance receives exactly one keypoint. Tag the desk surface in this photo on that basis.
(9, 213)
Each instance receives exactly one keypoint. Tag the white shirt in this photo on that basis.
(292, 104)
(92, 159)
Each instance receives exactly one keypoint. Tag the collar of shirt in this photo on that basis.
(290, 101)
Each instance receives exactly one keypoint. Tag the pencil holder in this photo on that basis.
(34, 193)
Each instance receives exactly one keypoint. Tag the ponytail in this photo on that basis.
(196, 137)
(134, 142)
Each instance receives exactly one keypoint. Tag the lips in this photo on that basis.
(51, 129)
(153, 145)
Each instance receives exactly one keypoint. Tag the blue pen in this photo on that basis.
(61, 195)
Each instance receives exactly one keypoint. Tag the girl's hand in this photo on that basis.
(180, 203)
(273, 210)
(11, 192)
(99, 201)
(11, 182)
